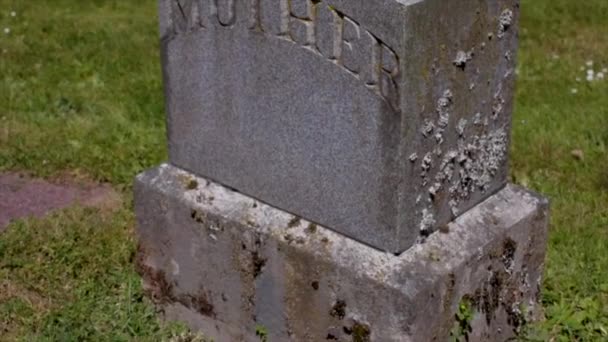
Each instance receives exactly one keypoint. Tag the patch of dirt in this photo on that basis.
(22, 196)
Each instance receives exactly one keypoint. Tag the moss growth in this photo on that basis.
(361, 333)
(311, 229)
(462, 321)
(295, 221)
(261, 332)
(192, 184)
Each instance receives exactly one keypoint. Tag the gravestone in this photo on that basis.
(366, 117)
(316, 146)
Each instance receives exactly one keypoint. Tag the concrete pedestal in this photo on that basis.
(236, 268)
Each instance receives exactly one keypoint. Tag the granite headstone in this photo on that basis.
(308, 138)
(382, 120)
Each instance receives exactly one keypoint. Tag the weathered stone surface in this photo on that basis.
(227, 264)
(380, 119)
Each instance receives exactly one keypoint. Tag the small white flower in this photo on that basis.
(590, 77)
(589, 63)
(590, 72)
(7, 30)
(573, 90)
(13, 14)
(600, 76)
(605, 70)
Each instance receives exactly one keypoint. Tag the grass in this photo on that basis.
(53, 288)
(80, 90)
(550, 122)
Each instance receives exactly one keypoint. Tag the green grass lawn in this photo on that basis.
(80, 90)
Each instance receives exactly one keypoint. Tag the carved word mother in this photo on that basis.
(311, 24)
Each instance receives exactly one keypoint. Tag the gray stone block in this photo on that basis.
(229, 265)
(380, 119)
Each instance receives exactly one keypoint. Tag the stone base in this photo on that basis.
(234, 268)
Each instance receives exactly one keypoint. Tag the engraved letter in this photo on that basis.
(389, 76)
(271, 15)
(187, 15)
(255, 16)
(356, 49)
(327, 29)
(300, 21)
(224, 12)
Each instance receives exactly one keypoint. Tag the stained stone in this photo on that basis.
(382, 120)
(227, 265)
(308, 138)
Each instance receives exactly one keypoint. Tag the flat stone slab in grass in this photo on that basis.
(22, 196)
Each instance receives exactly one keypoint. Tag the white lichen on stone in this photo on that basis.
(445, 100)
(462, 58)
(427, 129)
(434, 189)
(462, 124)
(427, 162)
(439, 136)
(428, 220)
(479, 162)
(444, 174)
(504, 22)
(438, 129)
(474, 163)
(477, 119)
(454, 207)
(498, 104)
(413, 157)
(497, 108)
(442, 110)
